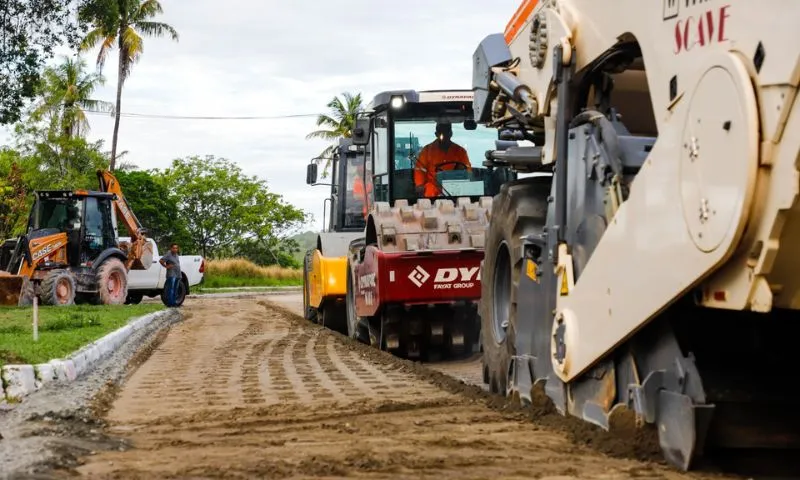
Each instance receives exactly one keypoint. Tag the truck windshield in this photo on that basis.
(437, 158)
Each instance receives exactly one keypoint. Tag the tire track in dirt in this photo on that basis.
(296, 401)
(253, 388)
(313, 351)
(280, 383)
(292, 374)
(467, 370)
(231, 357)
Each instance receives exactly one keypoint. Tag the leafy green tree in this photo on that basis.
(223, 207)
(340, 122)
(66, 91)
(59, 161)
(155, 207)
(268, 251)
(30, 30)
(123, 22)
(13, 193)
(305, 241)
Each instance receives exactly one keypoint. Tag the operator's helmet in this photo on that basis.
(443, 125)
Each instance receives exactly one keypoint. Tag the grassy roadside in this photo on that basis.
(62, 330)
(239, 273)
(270, 288)
(213, 281)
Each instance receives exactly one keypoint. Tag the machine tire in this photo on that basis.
(333, 315)
(27, 293)
(183, 288)
(520, 209)
(112, 282)
(134, 299)
(58, 288)
(309, 313)
(354, 328)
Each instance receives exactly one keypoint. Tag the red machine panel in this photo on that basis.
(416, 278)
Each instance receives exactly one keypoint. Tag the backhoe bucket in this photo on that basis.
(10, 289)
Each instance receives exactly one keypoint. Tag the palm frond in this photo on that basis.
(65, 92)
(327, 156)
(157, 29)
(132, 47)
(323, 134)
(147, 9)
(340, 121)
(327, 120)
(92, 39)
(97, 105)
(108, 44)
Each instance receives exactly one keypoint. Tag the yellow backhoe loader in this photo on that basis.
(71, 251)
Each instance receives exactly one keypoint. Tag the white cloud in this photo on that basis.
(270, 57)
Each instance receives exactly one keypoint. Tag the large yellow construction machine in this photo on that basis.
(71, 250)
(325, 265)
(654, 266)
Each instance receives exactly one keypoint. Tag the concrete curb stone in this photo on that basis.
(19, 381)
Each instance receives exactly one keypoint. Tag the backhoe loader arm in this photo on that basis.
(140, 252)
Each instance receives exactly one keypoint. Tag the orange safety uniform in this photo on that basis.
(431, 157)
(358, 191)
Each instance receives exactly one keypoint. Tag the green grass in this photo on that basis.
(228, 281)
(268, 288)
(62, 330)
(239, 272)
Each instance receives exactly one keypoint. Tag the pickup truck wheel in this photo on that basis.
(112, 282)
(180, 296)
(134, 299)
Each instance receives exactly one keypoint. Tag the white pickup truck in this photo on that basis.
(150, 282)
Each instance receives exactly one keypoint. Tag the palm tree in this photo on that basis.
(130, 20)
(340, 122)
(66, 95)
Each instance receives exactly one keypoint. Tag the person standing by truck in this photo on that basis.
(172, 263)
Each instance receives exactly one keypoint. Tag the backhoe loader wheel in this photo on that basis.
(112, 282)
(517, 211)
(58, 288)
(310, 313)
(27, 293)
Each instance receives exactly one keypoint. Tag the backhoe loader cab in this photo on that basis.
(70, 249)
(86, 219)
(413, 277)
(324, 265)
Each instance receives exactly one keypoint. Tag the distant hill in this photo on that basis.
(306, 240)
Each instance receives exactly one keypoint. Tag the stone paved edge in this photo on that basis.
(19, 381)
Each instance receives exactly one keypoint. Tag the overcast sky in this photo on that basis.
(269, 57)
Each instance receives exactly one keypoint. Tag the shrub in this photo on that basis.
(242, 268)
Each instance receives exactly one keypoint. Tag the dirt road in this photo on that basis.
(244, 389)
(467, 370)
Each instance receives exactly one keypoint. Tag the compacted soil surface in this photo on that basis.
(245, 388)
